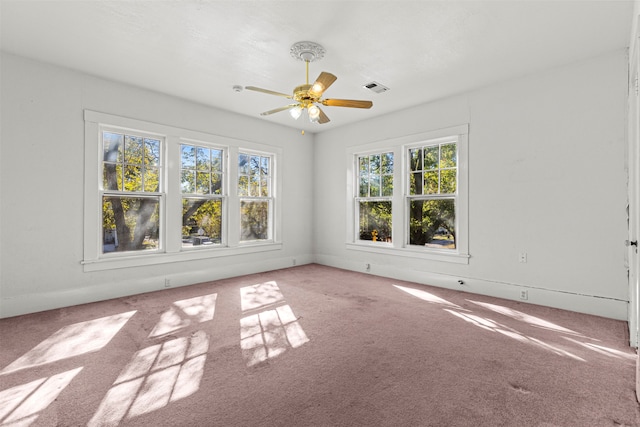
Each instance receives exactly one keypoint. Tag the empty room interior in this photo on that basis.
(319, 213)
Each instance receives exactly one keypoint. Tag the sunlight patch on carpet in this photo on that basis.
(72, 340)
(155, 376)
(21, 405)
(526, 318)
(260, 295)
(268, 333)
(493, 326)
(185, 312)
(610, 352)
(426, 296)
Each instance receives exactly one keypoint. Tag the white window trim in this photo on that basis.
(171, 249)
(358, 198)
(224, 197)
(271, 198)
(399, 247)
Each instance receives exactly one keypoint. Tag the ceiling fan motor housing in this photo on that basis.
(303, 95)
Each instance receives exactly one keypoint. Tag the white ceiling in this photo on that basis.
(421, 50)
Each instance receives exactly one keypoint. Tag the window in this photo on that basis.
(201, 179)
(432, 184)
(254, 191)
(155, 194)
(374, 199)
(409, 196)
(131, 196)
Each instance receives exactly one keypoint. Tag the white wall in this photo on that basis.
(546, 174)
(41, 186)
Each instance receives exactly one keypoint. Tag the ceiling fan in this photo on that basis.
(307, 96)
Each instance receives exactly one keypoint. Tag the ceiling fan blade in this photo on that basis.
(322, 118)
(277, 110)
(351, 103)
(322, 83)
(267, 91)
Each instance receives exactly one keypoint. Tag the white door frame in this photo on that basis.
(633, 159)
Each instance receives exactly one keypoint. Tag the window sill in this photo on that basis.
(433, 255)
(163, 258)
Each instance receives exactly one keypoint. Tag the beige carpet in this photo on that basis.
(314, 346)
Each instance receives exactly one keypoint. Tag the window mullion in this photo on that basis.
(173, 199)
(233, 207)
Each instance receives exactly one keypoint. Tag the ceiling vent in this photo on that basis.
(376, 87)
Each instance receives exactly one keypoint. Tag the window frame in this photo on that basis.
(269, 198)
(170, 248)
(358, 198)
(427, 196)
(400, 221)
(158, 195)
(222, 196)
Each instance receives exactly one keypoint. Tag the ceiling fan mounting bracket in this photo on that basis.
(307, 51)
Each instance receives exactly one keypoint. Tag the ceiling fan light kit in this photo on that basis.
(307, 96)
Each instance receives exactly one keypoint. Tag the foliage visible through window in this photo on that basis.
(432, 195)
(201, 178)
(254, 189)
(130, 198)
(375, 189)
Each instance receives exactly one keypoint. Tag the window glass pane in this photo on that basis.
(152, 152)
(132, 178)
(113, 144)
(203, 180)
(415, 159)
(112, 176)
(264, 165)
(243, 186)
(254, 220)
(203, 161)
(415, 183)
(375, 221)
(133, 149)
(431, 157)
(243, 164)
(387, 163)
(188, 181)
(448, 181)
(254, 165)
(364, 184)
(374, 185)
(387, 185)
(374, 164)
(216, 160)
(364, 164)
(432, 223)
(264, 187)
(254, 185)
(430, 182)
(130, 223)
(151, 179)
(188, 156)
(216, 183)
(201, 222)
(448, 156)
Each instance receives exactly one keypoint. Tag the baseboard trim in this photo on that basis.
(581, 303)
(42, 301)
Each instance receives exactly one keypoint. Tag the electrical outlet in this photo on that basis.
(167, 283)
(524, 295)
(523, 257)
